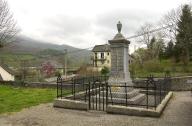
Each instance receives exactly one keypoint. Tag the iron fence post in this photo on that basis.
(86, 93)
(74, 90)
(147, 92)
(106, 94)
(99, 96)
(160, 91)
(155, 93)
(57, 87)
(89, 96)
(103, 96)
(83, 84)
(92, 94)
(96, 94)
(72, 85)
(61, 88)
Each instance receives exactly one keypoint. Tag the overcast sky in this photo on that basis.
(85, 23)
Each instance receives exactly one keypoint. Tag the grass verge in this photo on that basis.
(13, 99)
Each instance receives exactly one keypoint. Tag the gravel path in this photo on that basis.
(177, 113)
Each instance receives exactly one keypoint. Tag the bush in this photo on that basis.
(104, 71)
(57, 73)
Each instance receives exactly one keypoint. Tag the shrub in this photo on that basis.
(57, 73)
(105, 71)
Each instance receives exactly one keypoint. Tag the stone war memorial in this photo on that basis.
(116, 93)
(120, 75)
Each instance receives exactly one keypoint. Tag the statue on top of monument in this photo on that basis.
(119, 26)
(119, 35)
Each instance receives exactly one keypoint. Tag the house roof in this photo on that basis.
(6, 68)
(101, 48)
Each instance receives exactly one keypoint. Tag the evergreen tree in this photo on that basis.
(151, 44)
(151, 48)
(177, 52)
(160, 49)
(169, 49)
(184, 36)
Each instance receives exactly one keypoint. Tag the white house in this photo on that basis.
(6, 74)
(101, 56)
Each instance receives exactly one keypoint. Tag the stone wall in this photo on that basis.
(181, 83)
(70, 104)
(37, 84)
(177, 83)
(137, 111)
(29, 84)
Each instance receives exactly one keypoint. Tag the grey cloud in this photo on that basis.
(131, 20)
(72, 29)
(68, 29)
(65, 26)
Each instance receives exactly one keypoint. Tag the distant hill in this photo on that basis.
(26, 44)
(42, 49)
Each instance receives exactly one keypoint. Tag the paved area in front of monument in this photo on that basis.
(177, 113)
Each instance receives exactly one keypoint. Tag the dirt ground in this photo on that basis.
(177, 113)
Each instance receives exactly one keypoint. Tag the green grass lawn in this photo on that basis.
(13, 99)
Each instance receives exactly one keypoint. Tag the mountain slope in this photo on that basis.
(45, 51)
(25, 44)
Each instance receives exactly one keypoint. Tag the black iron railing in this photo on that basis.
(152, 93)
(76, 85)
(97, 92)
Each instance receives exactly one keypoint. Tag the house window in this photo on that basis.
(107, 61)
(108, 53)
(102, 55)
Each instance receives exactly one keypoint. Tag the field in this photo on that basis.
(15, 60)
(13, 99)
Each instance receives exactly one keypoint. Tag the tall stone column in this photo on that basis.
(120, 74)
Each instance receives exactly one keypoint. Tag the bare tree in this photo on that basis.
(8, 27)
(145, 33)
(171, 18)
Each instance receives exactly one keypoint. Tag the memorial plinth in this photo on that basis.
(120, 75)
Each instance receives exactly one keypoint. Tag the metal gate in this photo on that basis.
(97, 92)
